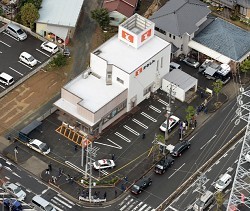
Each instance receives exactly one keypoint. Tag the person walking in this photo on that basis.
(60, 171)
(105, 195)
(113, 157)
(50, 166)
(76, 147)
(47, 171)
(195, 123)
(143, 135)
(115, 193)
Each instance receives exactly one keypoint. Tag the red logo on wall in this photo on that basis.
(137, 72)
(127, 36)
(146, 35)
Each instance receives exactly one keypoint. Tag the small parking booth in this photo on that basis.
(183, 85)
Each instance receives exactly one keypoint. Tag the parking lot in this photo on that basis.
(10, 50)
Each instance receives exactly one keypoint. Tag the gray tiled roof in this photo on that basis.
(244, 3)
(180, 16)
(225, 38)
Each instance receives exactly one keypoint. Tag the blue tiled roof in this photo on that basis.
(225, 38)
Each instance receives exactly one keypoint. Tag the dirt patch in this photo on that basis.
(30, 95)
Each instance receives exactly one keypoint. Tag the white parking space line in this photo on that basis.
(131, 130)
(104, 172)
(25, 65)
(163, 102)
(155, 109)
(149, 117)
(176, 170)
(16, 71)
(140, 123)
(66, 199)
(43, 52)
(208, 141)
(116, 145)
(5, 43)
(122, 137)
(10, 36)
(2, 87)
(38, 61)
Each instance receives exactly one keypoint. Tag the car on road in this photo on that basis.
(141, 185)
(39, 146)
(50, 47)
(204, 201)
(27, 59)
(247, 157)
(13, 204)
(191, 62)
(180, 148)
(223, 182)
(164, 164)
(14, 190)
(103, 164)
(173, 121)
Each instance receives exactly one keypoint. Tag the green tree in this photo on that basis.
(37, 3)
(217, 86)
(190, 110)
(59, 61)
(101, 16)
(1, 11)
(29, 14)
(219, 200)
(245, 67)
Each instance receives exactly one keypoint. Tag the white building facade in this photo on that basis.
(123, 72)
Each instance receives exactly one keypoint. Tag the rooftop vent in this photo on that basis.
(97, 52)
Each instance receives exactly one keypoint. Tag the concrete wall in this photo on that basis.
(98, 65)
(179, 93)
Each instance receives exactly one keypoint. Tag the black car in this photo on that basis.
(142, 184)
(180, 147)
(164, 164)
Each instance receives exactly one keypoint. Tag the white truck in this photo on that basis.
(214, 71)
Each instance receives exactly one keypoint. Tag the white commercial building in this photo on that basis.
(123, 72)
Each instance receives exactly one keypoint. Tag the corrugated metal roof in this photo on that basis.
(244, 3)
(60, 12)
(180, 16)
(225, 38)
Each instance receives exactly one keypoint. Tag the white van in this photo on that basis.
(223, 182)
(204, 201)
(174, 65)
(6, 79)
(27, 59)
(16, 31)
(41, 204)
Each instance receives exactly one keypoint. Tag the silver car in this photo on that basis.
(14, 190)
(191, 62)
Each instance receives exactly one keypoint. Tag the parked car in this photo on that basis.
(191, 62)
(223, 182)
(247, 157)
(164, 164)
(204, 201)
(13, 204)
(27, 59)
(180, 148)
(141, 185)
(103, 164)
(39, 146)
(173, 121)
(14, 190)
(50, 47)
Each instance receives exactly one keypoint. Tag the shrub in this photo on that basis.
(59, 61)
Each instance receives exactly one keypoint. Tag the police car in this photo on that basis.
(103, 164)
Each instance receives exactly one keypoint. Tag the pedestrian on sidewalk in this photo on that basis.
(202, 94)
(76, 147)
(47, 171)
(113, 157)
(143, 135)
(205, 110)
(105, 195)
(54, 179)
(50, 166)
(60, 171)
(115, 193)
(195, 123)
(123, 187)
(126, 179)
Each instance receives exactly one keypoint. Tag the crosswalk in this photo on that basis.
(132, 204)
(60, 203)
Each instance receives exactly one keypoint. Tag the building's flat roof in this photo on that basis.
(93, 91)
(60, 12)
(128, 58)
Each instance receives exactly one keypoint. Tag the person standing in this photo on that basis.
(50, 166)
(195, 123)
(105, 195)
(113, 157)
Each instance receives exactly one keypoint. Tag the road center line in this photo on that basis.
(192, 137)
(208, 141)
(176, 170)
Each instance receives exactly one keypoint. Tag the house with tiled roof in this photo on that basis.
(119, 10)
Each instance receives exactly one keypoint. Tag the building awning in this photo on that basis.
(209, 52)
(210, 71)
(59, 31)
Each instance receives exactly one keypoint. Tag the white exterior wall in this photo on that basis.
(179, 93)
(117, 72)
(118, 18)
(41, 28)
(148, 77)
(98, 65)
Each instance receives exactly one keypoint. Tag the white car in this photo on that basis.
(103, 164)
(39, 146)
(27, 59)
(14, 190)
(247, 157)
(223, 182)
(50, 47)
(173, 121)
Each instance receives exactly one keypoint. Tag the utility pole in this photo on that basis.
(83, 145)
(201, 188)
(91, 153)
(168, 114)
